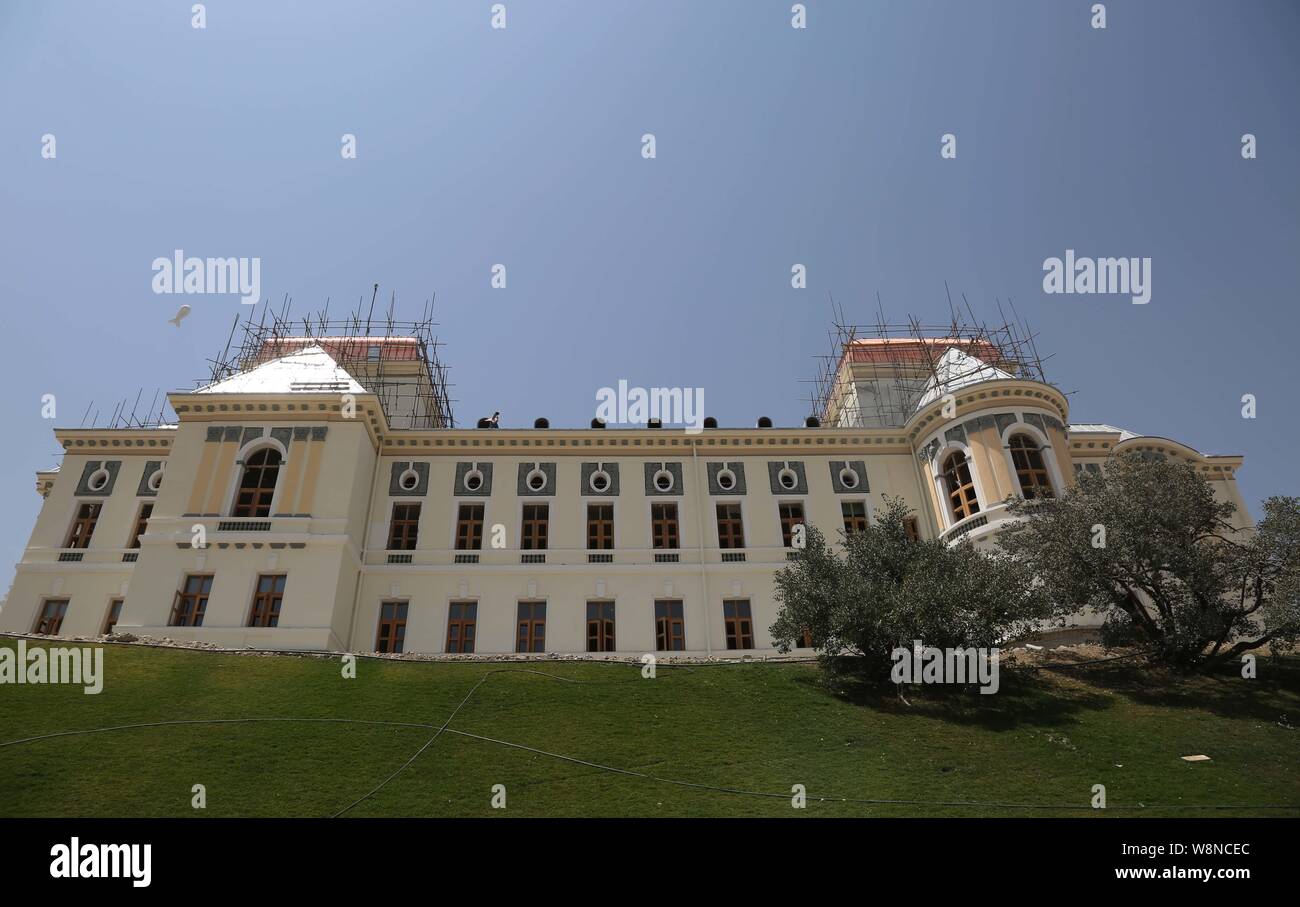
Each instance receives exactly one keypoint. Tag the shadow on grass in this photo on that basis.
(1052, 692)
(1024, 698)
(1272, 696)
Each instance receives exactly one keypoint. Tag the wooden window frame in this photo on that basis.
(731, 529)
(462, 616)
(912, 527)
(670, 627)
(189, 606)
(111, 619)
(959, 484)
(265, 611)
(390, 634)
(47, 624)
(739, 627)
(1030, 467)
(530, 628)
(853, 521)
(84, 520)
(534, 525)
(791, 514)
(469, 527)
(403, 528)
(600, 626)
(664, 528)
(259, 495)
(141, 523)
(600, 528)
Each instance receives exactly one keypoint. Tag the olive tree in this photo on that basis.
(1146, 543)
(883, 591)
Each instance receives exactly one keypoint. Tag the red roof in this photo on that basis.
(345, 349)
(913, 351)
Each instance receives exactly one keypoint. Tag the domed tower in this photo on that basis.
(984, 435)
(982, 423)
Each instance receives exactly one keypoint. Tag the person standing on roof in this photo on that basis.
(495, 420)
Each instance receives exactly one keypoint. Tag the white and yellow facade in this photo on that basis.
(342, 471)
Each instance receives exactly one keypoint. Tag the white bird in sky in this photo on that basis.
(180, 313)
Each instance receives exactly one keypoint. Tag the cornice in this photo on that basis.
(997, 394)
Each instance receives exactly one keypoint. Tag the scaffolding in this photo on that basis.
(876, 375)
(154, 416)
(395, 360)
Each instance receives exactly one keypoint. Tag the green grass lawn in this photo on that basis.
(1046, 738)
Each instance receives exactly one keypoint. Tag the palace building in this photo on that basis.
(316, 498)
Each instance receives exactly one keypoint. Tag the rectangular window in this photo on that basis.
(461, 621)
(804, 641)
(535, 518)
(600, 527)
(663, 525)
(114, 612)
(532, 627)
(51, 617)
(855, 516)
(266, 601)
(600, 626)
(405, 528)
(141, 521)
(791, 516)
(469, 527)
(731, 531)
(83, 526)
(670, 628)
(912, 529)
(192, 600)
(738, 622)
(392, 627)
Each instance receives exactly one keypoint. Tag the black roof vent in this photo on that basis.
(541, 422)
(764, 422)
(812, 422)
(654, 423)
(597, 422)
(485, 423)
(710, 422)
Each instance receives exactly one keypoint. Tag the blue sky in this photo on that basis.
(774, 146)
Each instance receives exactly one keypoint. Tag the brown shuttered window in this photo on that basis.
(738, 623)
(663, 525)
(670, 628)
(731, 530)
(192, 601)
(469, 527)
(600, 527)
(266, 601)
(462, 619)
(392, 627)
(83, 526)
(404, 530)
(51, 617)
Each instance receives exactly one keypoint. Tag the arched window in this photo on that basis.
(960, 486)
(1031, 471)
(257, 486)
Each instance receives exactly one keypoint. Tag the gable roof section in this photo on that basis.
(309, 371)
(954, 370)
